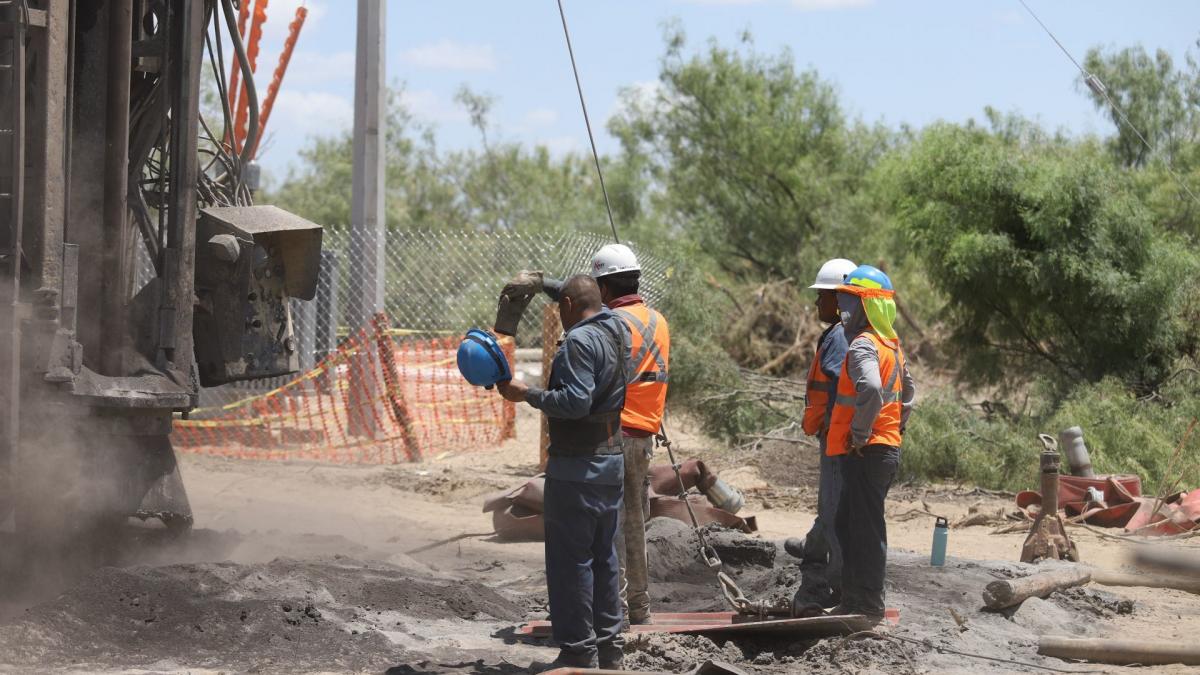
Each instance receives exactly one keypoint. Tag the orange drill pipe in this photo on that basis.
(284, 58)
(243, 109)
(236, 72)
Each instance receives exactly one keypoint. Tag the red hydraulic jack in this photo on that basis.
(749, 617)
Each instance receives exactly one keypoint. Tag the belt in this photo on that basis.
(876, 449)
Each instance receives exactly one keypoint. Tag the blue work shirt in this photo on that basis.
(586, 362)
(832, 347)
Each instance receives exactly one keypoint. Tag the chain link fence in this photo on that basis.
(436, 286)
(445, 282)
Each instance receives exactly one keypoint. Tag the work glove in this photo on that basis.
(514, 298)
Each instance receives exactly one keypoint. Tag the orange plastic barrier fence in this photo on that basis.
(379, 399)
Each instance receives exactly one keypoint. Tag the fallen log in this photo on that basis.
(1120, 652)
(1010, 592)
(1168, 560)
(1186, 584)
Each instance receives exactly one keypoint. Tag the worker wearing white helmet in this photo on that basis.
(616, 269)
(819, 552)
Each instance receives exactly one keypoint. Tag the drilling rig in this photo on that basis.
(106, 159)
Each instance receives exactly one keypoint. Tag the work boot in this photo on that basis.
(562, 662)
(640, 619)
(611, 658)
(873, 617)
(794, 547)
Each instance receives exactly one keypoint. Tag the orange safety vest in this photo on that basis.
(817, 392)
(649, 353)
(886, 430)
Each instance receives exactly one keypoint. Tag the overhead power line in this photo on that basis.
(1097, 86)
(587, 122)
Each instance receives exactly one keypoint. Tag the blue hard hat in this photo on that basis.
(481, 360)
(866, 276)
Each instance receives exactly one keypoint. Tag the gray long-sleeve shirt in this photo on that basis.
(586, 362)
(862, 367)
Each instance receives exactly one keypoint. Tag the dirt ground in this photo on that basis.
(297, 567)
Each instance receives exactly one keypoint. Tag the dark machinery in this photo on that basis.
(106, 160)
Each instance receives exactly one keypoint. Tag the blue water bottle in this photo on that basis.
(941, 531)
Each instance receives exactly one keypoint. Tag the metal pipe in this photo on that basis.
(1071, 442)
(175, 306)
(116, 183)
(16, 202)
(1050, 464)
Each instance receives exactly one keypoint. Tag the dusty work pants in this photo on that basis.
(821, 567)
(581, 569)
(631, 540)
(861, 526)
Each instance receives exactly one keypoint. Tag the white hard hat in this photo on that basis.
(833, 273)
(614, 259)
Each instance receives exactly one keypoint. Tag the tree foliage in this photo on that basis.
(1161, 103)
(500, 187)
(755, 160)
(1064, 266)
(1048, 260)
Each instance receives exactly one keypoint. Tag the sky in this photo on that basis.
(893, 61)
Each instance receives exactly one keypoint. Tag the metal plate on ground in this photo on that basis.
(729, 624)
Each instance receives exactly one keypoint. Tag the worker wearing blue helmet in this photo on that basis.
(875, 394)
(584, 475)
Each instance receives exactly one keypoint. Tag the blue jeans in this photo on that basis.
(861, 527)
(581, 568)
(821, 568)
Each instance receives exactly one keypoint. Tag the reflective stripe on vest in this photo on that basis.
(816, 394)
(886, 430)
(647, 374)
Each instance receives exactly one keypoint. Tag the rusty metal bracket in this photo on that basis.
(1048, 538)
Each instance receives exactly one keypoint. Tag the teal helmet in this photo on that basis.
(481, 359)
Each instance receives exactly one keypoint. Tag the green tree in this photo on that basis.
(1047, 258)
(753, 159)
(501, 187)
(418, 193)
(1159, 101)
(1162, 103)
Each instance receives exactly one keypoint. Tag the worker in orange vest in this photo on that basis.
(616, 270)
(819, 553)
(875, 394)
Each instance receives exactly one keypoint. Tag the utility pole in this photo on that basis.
(368, 226)
(367, 213)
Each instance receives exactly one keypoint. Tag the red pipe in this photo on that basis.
(284, 59)
(236, 72)
(243, 106)
(599, 671)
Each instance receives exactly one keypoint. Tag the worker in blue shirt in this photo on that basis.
(584, 476)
